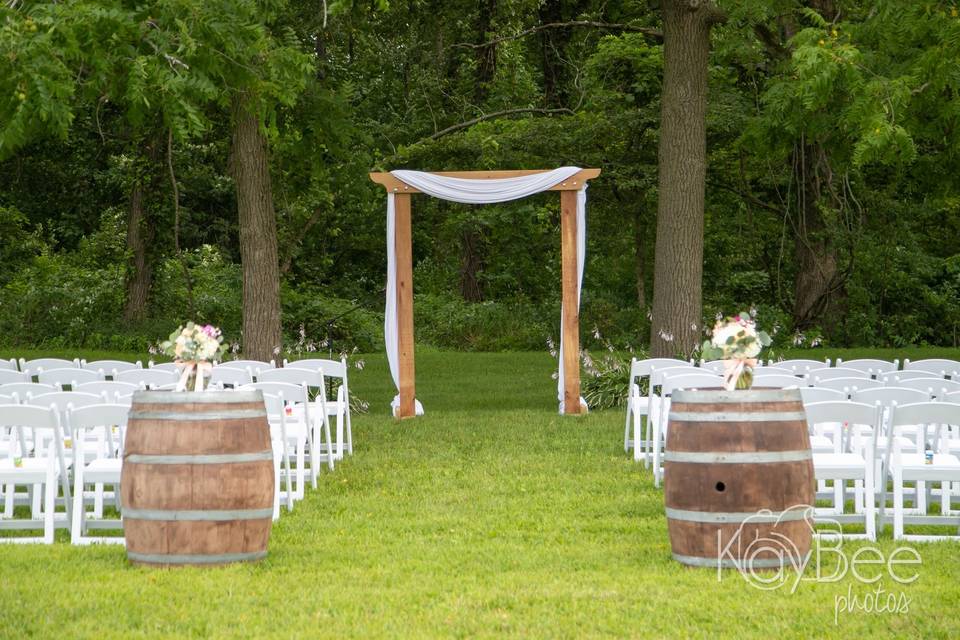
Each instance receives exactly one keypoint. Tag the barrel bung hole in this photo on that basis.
(721, 487)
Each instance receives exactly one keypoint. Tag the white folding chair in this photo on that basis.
(863, 422)
(32, 367)
(339, 406)
(934, 387)
(682, 380)
(254, 366)
(941, 366)
(107, 367)
(713, 366)
(46, 467)
(148, 378)
(870, 365)
(276, 416)
(68, 377)
(22, 389)
(322, 409)
(163, 366)
(837, 372)
(9, 365)
(819, 394)
(763, 371)
(846, 385)
(912, 467)
(102, 470)
(638, 403)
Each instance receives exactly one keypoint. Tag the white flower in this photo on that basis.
(665, 336)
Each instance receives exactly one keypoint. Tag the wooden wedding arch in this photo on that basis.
(570, 322)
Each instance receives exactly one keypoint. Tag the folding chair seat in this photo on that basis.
(339, 404)
(862, 423)
(42, 466)
(111, 420)
(944, 468)
(638, 402)
(669, 383)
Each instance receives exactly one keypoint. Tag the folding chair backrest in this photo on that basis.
(936, 387)
(24, 388)
(291, 392)
(253, 365)
(759, 372)
(234, 376)
(820, 394)
(952, 396)
(79, 419)
(849, 414)
(922, 413)
(110, 387)
(62, 399)
(713, 366)
(7, 376)
(886, 396)
(850, 384)
(33, 366)
(330, 368)
(313, 378)
(642, 368)
(657, 374)
(837, 372)
(701, 380)
(800, 366)
(778, 381)
(9, 365)
(72, 377)
(147, 377)
(894, 378)
(939, 366)
(107, 367)
(163, 366)
(870, 365)
(5, 399)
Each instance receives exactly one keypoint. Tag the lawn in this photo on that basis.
(489, 516)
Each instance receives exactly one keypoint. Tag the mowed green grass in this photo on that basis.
(489, 516)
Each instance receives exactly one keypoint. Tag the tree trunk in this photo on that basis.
(639, 258)
(486, 56)
(471, 263)
(140, 235)
(678, 270)
(817, 260)
(258, 233)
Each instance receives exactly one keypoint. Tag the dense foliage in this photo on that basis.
(832, 191)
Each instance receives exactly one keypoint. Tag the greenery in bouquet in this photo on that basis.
(195, 343)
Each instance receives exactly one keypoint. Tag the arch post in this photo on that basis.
(570, 321)
(404, 254)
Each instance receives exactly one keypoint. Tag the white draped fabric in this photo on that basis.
(472, 191)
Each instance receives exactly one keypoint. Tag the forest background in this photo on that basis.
(154, 153)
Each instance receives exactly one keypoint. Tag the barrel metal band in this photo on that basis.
(746, 564)
(721, 517)
(737, 457)
(203, 397)
(216, 458)
(753, 396)
(188, 416)
(738, 416)
(222, 558)
(197, 515)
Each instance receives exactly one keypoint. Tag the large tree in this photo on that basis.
(678, 271)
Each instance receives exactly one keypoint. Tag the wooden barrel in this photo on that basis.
(197, 481)
(738, 478)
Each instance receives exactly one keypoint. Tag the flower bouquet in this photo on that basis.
(737, 341)
(193, 347)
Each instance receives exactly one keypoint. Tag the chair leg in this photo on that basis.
(50, 508)
(9, 492)
(626, 431)
(858, 496)
(76, 517)
(276, 482)
(839, 495)
(870, 520)
(897, 505)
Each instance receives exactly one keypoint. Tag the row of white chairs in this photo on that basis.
(32, 423)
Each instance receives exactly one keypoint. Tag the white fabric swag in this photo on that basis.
(472, 191)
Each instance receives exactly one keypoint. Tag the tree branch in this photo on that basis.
(496, 114)
(654, 34)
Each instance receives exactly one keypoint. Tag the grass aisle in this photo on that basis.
(489, 516)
